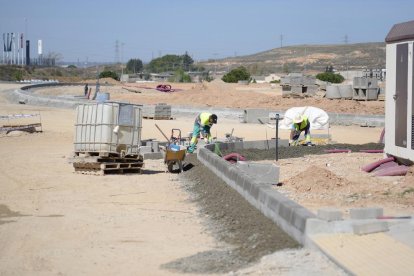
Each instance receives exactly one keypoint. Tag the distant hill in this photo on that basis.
(306, 58)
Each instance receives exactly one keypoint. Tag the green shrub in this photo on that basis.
(109, 74)
(330, 77)
(236, 75)
(18, 75)
(134, 65)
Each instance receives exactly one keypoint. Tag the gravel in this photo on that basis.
(249, 242)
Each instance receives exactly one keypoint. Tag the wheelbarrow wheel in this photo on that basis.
(170, 166)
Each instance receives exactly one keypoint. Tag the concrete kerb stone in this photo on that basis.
(329, 214)
(22, 96)
(366, 213)
(287, 214)
(368, 227)
(334, 118)
(263, 173)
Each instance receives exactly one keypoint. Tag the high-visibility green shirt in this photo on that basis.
(302, 125)
(203, 119)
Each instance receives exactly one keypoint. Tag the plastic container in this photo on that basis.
(108, 128)
(102, 97)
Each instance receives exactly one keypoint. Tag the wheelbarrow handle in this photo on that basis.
(172, 134)
(168, 140)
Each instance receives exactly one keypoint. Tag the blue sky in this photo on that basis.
(88, 30)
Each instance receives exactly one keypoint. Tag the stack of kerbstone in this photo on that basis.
(365, 88)
(295, 84)
(159, 111)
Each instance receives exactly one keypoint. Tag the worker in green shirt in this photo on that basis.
(202, 125)
(300, 123)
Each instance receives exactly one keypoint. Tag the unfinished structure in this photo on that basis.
(365, 88)
(399, 111)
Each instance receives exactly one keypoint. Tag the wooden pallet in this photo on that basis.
(108, 171)
(26, 127)
(106, 155)
(158, 118)
(109, 159)
(100, 166)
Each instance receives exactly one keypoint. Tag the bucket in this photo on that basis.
(102, 97)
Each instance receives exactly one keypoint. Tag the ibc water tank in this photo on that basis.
(108, 127)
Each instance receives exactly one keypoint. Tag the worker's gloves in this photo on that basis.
(293, 142)
(191, 149)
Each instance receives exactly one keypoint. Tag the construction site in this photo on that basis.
(100, 180)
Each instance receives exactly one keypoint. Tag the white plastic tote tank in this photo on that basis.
(399, 98)
(108, 127)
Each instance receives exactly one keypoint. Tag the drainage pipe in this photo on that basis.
(370, 167)
(393, 171)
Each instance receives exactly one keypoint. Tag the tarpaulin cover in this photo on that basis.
(318, 118)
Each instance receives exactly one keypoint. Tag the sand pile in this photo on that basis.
(317, 179)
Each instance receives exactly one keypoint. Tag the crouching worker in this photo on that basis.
(202, 125)
(300, 123)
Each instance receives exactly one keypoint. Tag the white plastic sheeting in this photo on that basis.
(318, 118)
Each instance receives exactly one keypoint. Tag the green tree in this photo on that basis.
(330, 77)
(187, 62)
(109, 74)
(134, 65)
(235, 75)
(180, 76)
(170, 63)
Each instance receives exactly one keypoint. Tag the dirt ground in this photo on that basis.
(220, 94)
(53, 221)
(316, 179)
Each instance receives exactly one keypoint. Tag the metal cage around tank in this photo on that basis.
(108, 128)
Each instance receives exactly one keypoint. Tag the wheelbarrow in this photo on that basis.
(174, 156)
(174, 153)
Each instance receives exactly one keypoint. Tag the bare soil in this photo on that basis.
(163, 224)
(220, 94)
(315, 179)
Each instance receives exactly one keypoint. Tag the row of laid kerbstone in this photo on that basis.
(287, 214)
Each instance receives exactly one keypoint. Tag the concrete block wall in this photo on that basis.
(254, 116)
(350, 119)
(263, 173)
(287, 214)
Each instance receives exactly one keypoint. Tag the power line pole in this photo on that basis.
(122, 58)
(281, 40)
(346, 55)
(116, 51)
